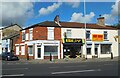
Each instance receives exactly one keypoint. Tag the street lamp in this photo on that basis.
(85, 29)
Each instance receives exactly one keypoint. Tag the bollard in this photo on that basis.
(111, 55)
(50, 57)
(27, 56)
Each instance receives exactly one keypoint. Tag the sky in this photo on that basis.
(29, 13)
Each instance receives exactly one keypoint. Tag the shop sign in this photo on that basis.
(71, 40)
(97, 37)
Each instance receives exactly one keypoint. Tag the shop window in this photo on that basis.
(51, 33)
(88, 50)
(105, 49)
(23, 36)
(22, 50)
(87, 35)
(30, 50)
(68, 33)
(105, 35)
(51, 49)
(30, 32)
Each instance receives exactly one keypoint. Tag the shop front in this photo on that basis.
(99, 49)
(43, 50)
(39, 49)
(72, 47)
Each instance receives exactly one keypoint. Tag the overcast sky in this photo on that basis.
(28, 13)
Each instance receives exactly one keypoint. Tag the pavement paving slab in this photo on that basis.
(70, 60)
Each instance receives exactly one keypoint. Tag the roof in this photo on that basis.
(82, 25)
(45, 24)
(11, 26)
(71, 25)
(10, 36)
(118, 27)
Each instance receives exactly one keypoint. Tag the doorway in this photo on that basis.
(96, 50)
(38, 52)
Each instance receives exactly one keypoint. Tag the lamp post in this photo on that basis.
(85, 29)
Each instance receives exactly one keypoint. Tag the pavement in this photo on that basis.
(70, 60)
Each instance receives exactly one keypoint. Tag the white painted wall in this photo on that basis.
(119, 43)
(114, 46)
(80, 33)
(0, 41)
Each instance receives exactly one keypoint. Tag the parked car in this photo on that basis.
(8, 56)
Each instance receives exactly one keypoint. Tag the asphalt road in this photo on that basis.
(61, 69)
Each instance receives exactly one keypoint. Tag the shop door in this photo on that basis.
(39, 52)
(96, 50)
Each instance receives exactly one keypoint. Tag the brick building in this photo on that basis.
(39, 41)
(67, 38)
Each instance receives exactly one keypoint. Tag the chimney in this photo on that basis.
(57, 20)
(101, 21)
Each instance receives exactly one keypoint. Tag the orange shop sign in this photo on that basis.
(97, 37)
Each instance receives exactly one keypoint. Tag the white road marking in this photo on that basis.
(75, 71)
(15, 69)
(13, 75)
(108, 64)
(70, 66)
(76, 66)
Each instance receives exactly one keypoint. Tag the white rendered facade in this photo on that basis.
(97, 46)
(0, 41)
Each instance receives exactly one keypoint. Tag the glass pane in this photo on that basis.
(30, 49)
(88, 50)
(51, 49)
(39, 53)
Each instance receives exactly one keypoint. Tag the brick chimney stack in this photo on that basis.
(101, 21)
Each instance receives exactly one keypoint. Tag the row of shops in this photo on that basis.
(72, 48)
(68, 40)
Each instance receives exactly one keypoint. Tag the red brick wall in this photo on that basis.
(57, 33)
(40, 33)
(48, 57)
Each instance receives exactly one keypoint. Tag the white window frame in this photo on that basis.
(17, 49)
(31, 34)
(22, 35)
(22, 51)
(32, 51)
(105, 34)
(89, 35)
(50, 33)
(26, 36)
(68, 33)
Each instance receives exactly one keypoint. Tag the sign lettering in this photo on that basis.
(70, 40)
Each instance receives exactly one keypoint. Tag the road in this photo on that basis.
(60, 69)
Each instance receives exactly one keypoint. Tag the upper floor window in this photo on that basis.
(87, 35)
(31, 32)
(23, 35)
(51, 33)
(26, 36)
(105, 35)
(68, 33)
